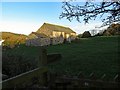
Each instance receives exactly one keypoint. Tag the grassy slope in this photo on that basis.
(13, 38)
(99, 55)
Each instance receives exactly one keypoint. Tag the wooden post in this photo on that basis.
(42, 63)
(43, 57)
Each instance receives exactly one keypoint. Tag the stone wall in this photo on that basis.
(57, 40)
(38, 42)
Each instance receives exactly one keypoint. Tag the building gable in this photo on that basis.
(48, 29)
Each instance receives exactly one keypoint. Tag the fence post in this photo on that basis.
(42, 63)
(43, 57)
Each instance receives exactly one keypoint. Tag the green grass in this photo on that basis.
(97, 54)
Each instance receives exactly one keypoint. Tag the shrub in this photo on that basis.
(13, 65)
(86, 34)
(113, 29)
(79, 35)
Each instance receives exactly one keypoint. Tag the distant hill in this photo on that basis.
(12, 39)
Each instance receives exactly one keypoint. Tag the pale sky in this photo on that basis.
(27, 17)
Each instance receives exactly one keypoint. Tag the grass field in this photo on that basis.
(97, 54)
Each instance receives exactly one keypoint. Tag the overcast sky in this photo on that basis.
(26, 17)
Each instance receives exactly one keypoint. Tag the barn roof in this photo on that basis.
(39, 35)
(52, 27)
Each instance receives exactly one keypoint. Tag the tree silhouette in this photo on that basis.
(108, 11)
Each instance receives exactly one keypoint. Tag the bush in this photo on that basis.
(99, 34)
(79, 35)
(113, 29)
(86, 34)
(13, 65)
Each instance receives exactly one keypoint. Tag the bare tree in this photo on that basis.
(108, 11)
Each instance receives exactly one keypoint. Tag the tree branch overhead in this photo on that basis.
(109, 12)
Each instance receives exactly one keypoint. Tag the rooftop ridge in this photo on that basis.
(56, 25)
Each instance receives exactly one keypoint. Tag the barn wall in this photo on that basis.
(56, 34)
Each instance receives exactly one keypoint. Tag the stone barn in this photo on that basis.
(51, 34)
(53, 31)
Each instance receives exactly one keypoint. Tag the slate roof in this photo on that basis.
(52, 27)
(39, 35)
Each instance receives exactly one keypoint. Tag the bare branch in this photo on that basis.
(91, 10)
